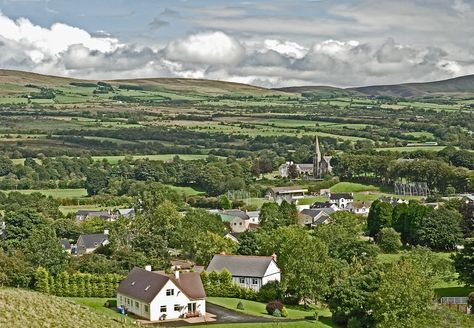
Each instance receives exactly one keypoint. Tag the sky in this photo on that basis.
(270, 43)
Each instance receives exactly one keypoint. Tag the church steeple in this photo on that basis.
(316, 159)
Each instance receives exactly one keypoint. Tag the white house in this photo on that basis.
(247, 271)
(361, 208)
(158, 296)
(341, 199)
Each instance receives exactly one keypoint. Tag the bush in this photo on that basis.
(470, 301)
(273, 306)
(270, 291)
(240, 306)
(276, 313)
(284, 312)
(389, 240)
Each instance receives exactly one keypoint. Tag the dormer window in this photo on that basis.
(133, 283)
(147, 287)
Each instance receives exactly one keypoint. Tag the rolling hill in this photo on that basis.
(459, 87)
(22, 308)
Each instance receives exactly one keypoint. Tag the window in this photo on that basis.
(163, 308)
(242, 280)
(254, 281)
(137, 305)
(128, 301)
(169, 292)
(177, 307)
(147, 309)
(120, 299)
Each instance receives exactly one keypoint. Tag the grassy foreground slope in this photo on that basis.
(22, 308)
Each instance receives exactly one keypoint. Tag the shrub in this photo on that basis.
(389, 240)
(284, 312)
(274, 305)
(470, 301)
(240, 306)
(270, 291)
(276, 313)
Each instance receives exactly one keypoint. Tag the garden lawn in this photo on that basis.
(296, 324)
(258, 309)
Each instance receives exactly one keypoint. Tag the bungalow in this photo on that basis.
(89, 243)
(291, 194)
(341, 199)
(159, 296)
(247, 271)
(361, 208)
(312, 217)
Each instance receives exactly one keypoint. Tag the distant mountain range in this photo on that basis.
(456, 87)
(460, 87)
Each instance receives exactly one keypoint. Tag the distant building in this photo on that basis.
(393, 200)
(290, 194)
(128, 213)
(247, 271)
(321, 165)
(87, 244)
(240, 221)
(341, 199)
(82, 215)
(159, 296)
(361, 207)
(65, 245)
(327, 204)
(313, 217)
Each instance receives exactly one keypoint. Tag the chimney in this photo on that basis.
(274, 257)
(148, 268)
(176, 274)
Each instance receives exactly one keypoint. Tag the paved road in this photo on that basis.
(226, 315)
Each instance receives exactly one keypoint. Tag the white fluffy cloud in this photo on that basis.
(206, 48)
(268, 61)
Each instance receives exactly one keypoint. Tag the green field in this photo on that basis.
(352, 187)
(187, 191)
(56, 193)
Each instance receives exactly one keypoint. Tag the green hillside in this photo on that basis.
(22, 308)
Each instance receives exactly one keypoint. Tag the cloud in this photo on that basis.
(207, 48)
(158, 23)
(169, 12)
(288, 48)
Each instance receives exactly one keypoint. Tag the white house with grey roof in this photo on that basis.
(247, 271)
(159, 296)
(314, 216)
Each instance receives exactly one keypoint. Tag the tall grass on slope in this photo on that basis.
(22, 308)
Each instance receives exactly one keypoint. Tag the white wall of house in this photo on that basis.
(134, 306)
(169, 301)
(272, 274)
(239, 225)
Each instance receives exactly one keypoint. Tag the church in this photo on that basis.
(320, 167)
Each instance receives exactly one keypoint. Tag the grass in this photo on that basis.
(352, 187)
(23, 308)
(161, 157)
(97, 305)
(56, 193)
(411, 149)
(258, 309)
(187, 191)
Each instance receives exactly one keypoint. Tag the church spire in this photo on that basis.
(316, 159)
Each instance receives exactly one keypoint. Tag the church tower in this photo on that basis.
(316, 159)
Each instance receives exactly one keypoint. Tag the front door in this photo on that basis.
(191, 307)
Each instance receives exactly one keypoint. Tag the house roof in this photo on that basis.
(290, 189)
(126, 211)
(144, 285)
(360, 204)
(92, 213)
(236, 213)
(322, 205)
(65, 243)
(93, 240)
(346, 195)
(241, 266)
(313, 212)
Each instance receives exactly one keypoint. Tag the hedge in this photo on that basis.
(220, 284)
(77, 284)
